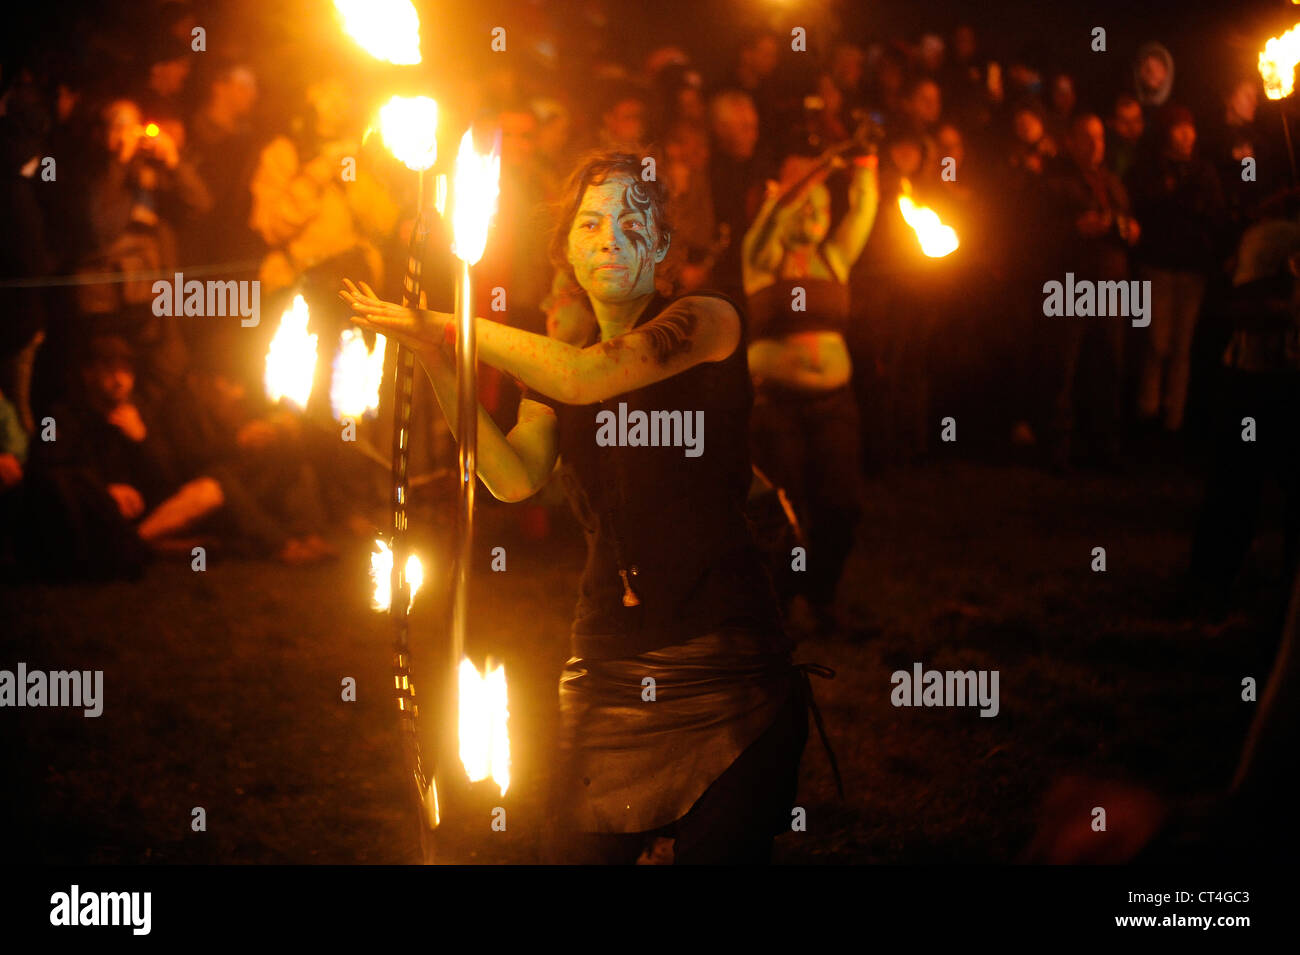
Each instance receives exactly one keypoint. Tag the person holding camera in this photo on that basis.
(142, 175)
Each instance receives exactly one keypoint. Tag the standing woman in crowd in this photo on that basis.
(805, 427)
(674, 588)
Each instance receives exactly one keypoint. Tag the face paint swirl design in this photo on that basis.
(614, 241)
(636, 201)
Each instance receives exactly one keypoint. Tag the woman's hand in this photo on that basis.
(417, 328)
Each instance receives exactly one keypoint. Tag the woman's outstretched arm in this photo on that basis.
(762, 247)
(855, 228)
(692, 330)
(513, 467)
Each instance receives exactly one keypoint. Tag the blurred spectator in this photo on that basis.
(1124, 135)
(1233, 137)
(164, 93)
(1062, 100)
(1153, 76)
(624, 120)
(140, 169)
(972, 88)
(887, 76)
(846, 72)
(686, 171)
(320, 219)
(224, 153)
(1093, 216)
(1032, 149)
(930, 56)
(736, 177)
(108, 486)
(1176, 197)
(553, 155)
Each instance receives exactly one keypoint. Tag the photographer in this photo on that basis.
(140, 171)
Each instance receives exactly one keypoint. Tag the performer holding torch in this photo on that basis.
(805, 431)
(682, 713)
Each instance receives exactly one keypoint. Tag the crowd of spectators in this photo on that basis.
(186, 165)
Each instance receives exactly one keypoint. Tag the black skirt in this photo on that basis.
(643, 737)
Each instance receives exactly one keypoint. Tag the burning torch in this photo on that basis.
(481, 713)
(1277, 63)
(409, 128)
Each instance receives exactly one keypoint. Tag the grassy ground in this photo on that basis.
(223, 689)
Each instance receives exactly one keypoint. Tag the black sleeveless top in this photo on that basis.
(674, 525)
(826, 303)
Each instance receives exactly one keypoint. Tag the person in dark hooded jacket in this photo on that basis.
(1153, 75)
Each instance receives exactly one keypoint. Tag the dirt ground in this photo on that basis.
(223, 688)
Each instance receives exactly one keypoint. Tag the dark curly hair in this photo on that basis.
(599, 166)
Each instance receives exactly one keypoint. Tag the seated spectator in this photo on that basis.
(106, 487)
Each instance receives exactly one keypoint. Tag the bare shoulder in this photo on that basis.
(713, 305)
(725, 322)
(704, 325)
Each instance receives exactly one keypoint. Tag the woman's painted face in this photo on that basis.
(614, 243)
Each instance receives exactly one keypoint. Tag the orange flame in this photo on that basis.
(409, 125)
(484, 713)
(936, 239)
(475, 193)
(1277, 62)
(381, 573)
(358, 375)
(386, 29)
(291, 359)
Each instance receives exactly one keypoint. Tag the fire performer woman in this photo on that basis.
(683, 716)
(805, 428)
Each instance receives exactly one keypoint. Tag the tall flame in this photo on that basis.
(475, 193)
(937, 239)
(386, 29)
(358, 375)
(291, 359)
(484, 737)
(1277, 62)
(381, 572)
(409, 125)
